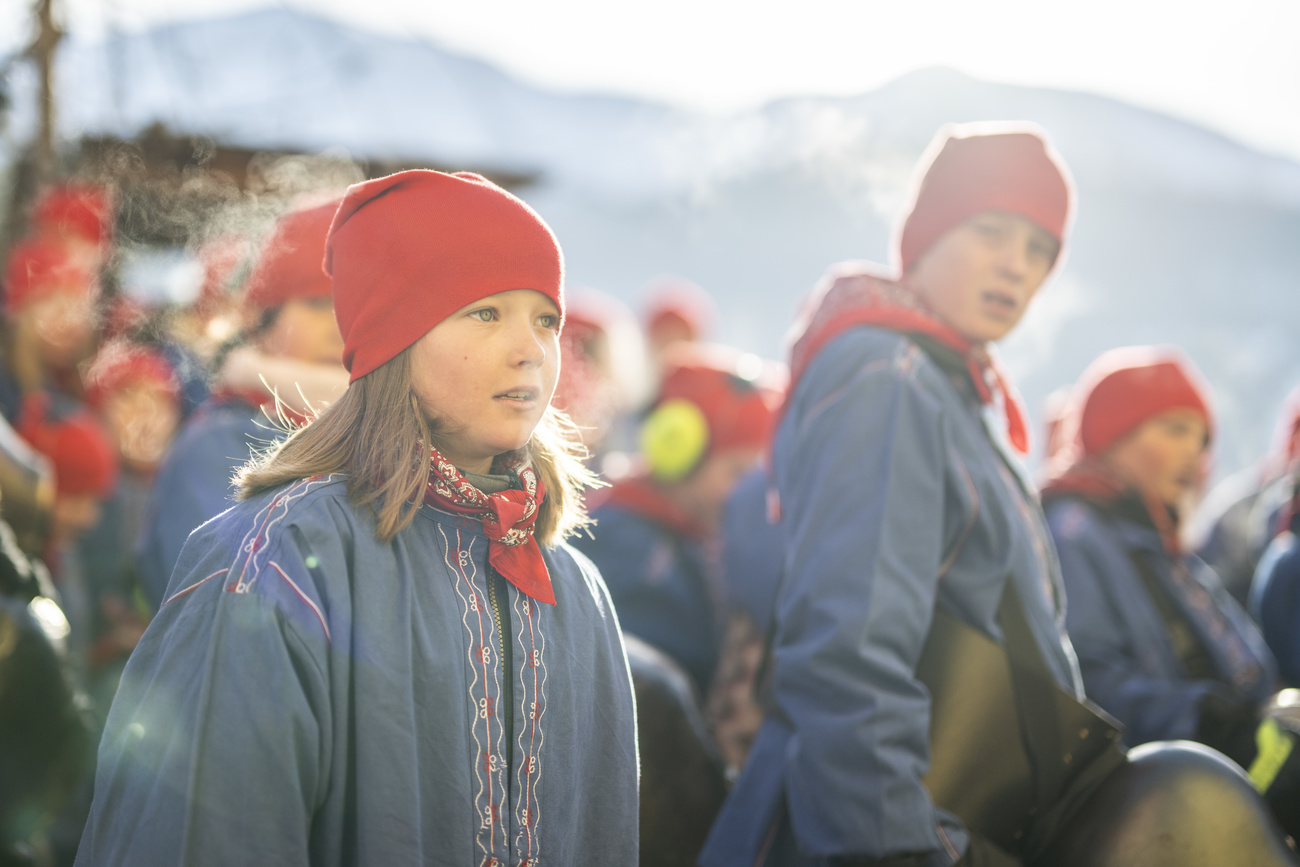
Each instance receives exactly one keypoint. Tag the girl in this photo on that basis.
(386, 654)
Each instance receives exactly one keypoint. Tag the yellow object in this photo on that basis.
(1273, 747)
(674, 438)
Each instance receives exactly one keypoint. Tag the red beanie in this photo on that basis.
(408, 250)
(738, 394)
(38, 267)
(79, 210)
(1125, 387)
(673, 299)
(120, 365)
(290, 264)
(84, 459)
(972, 168)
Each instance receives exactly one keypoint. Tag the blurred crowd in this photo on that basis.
(126, 416)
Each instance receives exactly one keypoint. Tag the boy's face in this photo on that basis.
(1164, 456)
(980, 276)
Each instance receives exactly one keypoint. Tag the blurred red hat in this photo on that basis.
(738, 393)
(84, 459)
(675, 301)
(971, 168)
(38, 267)
(408, 250)
(120, 365)
(76, 209)
(290, 264)
(1125, 387)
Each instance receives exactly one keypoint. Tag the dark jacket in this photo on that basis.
(896, 498)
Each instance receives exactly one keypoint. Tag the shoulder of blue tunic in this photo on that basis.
(235, 552)
(869, 350)
(570, 567)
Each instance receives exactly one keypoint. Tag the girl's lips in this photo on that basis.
(518, 395)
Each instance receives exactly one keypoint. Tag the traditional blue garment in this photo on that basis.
(310, 695)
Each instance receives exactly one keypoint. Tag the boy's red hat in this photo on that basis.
(1125, 387)
(972, 168)
(408, 250)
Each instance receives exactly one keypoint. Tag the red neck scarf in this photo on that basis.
(858, 297)
(640, 496)
(1094, 480)
(507, 518)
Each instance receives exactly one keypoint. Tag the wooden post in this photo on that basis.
(48, 36)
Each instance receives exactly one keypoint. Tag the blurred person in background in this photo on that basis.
(386, 653)
(1243, 513)
(603, 377)
(675, 311)
(655, 542)
(919, 628)
(1275, 589)
(77, 217)
(134, 391)
(1162, 646)
(288, 360)
(656, 534)
(49, 324)
(85, 471)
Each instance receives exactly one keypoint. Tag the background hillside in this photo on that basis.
(1182, 236)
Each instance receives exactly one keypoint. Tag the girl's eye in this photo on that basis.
(484, 314)
(548, 320)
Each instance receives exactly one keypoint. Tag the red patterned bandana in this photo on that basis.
(507, 517)
(858, 297)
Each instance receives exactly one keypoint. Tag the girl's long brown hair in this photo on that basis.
(375, 434)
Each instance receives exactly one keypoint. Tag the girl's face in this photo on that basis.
(486, 373)
(981, 275)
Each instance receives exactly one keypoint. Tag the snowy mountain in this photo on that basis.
(1182, 236)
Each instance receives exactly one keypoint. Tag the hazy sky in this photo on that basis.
(1232, 65)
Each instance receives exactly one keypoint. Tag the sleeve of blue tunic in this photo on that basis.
(860, 465)
(214, 749)
(193, 486)
(1152, 700)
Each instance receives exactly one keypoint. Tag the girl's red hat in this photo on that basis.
(408, 250)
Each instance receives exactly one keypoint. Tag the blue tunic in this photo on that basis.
(193, 483)
(895, 498)
(1130, 666)
(310, 695)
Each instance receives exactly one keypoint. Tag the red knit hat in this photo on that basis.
(39, 267)
(737, 393)
(677, 300)
(80, 210)
(408, 250)
(971, 168)
(84, 459)
(1125, 387)
(290, 264)
(120, 364)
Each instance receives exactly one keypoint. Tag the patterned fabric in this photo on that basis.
(507, 517)
(855, 296)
